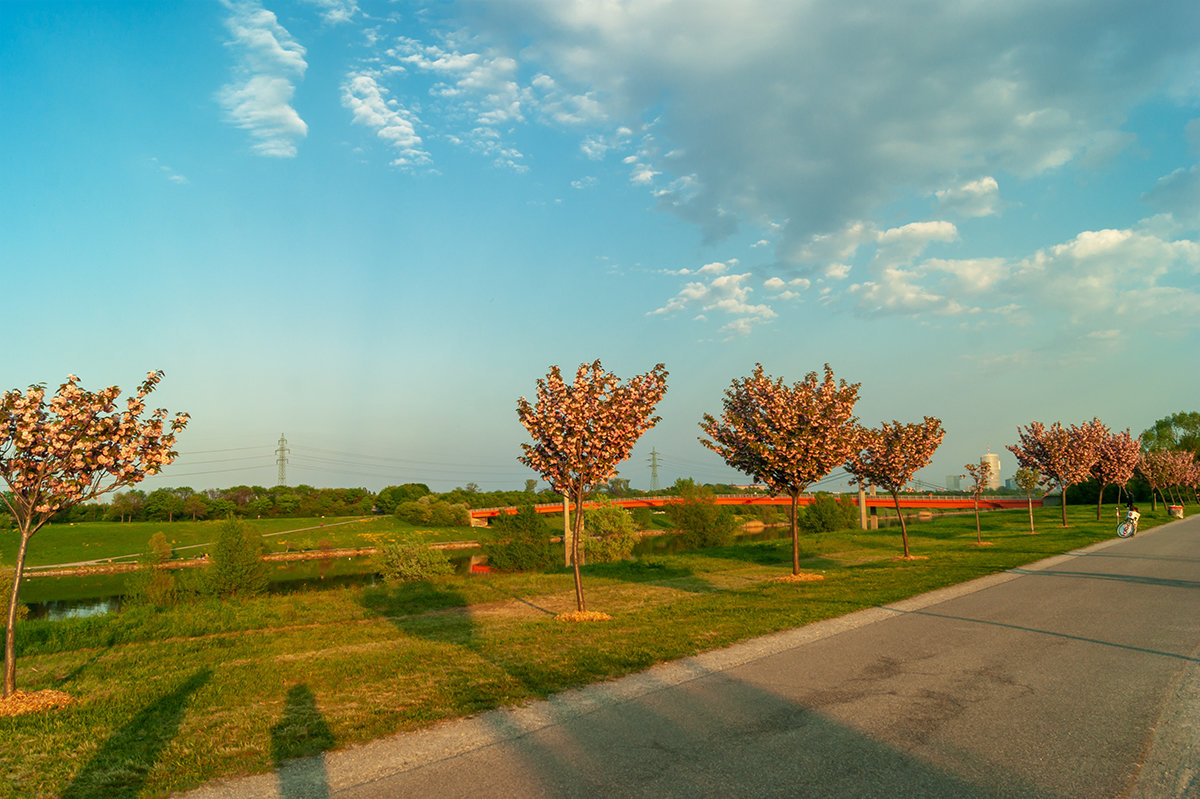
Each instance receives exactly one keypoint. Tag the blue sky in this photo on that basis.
(371, 226)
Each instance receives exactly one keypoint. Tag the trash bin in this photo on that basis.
(1175, 511)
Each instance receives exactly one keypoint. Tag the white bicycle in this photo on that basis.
(1129, 525)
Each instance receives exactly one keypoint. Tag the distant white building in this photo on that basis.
(993, 461)
(953, 482)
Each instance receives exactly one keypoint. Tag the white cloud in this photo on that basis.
(168, 173)
(725, 293)
(335, 12)
(900, 244)
(268, 61)
(370, 106)
(974, 198)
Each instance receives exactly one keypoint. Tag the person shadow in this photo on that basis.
(298, 744)
(120, 768)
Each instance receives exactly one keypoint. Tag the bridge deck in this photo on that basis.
(879, 501)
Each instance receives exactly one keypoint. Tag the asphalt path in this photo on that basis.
(1078, 676)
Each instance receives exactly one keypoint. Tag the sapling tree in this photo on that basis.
(1064, 455)
(1155, 466)
(1029, 480)
(583, 430)
(981, 475)
(890, 455)
(786, 437)
(1116, 459)
(57, 453)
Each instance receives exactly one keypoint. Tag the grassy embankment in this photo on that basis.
(165, 700)
(124, 542)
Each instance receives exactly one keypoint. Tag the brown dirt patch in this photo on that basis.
(23, 702)
(983, 544)
(911, 557)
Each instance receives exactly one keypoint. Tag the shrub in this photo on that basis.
(237, 567)
(408, 561)
(608, 534)
(767, 514)
(160, 548)
(827, 514)
(151, 585)
(643, 518)
(436, 512)
(700, 520)
(520, 542)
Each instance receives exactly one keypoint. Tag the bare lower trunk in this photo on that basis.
(978, 533)
(575, 548)
(1064, 505)
(10, 630)
(1100, 501)
(795, 533)
(1029, 499)
(903, 526)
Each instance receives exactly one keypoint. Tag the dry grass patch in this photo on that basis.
(911, 557)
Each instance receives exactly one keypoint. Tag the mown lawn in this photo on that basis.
(88, 541)
(166, 700)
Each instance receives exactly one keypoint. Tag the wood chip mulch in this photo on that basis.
(583, 615)
(24, 702)
(802, 577)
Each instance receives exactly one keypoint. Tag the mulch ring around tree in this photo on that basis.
(802, 577)
(583, 615)
(24, 702)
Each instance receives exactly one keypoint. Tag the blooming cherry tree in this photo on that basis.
(1029, 480)
(1116, 459)
(583, 430)
(1064, 455)
(892, 454)
(981, 475)
(70, 449)
(786, 437)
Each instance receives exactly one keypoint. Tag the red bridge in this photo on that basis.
(878, 501)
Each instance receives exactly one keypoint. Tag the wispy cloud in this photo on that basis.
(168, 173)
(267, 64)
(335, 12)
(370, 105)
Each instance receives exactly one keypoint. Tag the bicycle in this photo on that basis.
(1130, 524)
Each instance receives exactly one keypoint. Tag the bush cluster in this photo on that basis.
(237, 567)
(409, 561)
(434, 512)
(700, 520)
(827, 514)
(608, 534)
(520, 542)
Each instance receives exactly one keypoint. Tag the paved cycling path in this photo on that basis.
(1078, 676)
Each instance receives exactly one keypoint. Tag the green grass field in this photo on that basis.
(90, 541)
(166, 700)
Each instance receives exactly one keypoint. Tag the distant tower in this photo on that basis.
(993, 461)
(654, 470)
(281, 460)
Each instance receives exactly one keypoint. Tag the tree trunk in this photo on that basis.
(1064, 504)
(903, 526)
(1100, 500)
(795, 532)
(1029, 499)
(575, 547)
(10, 630)
(978, 533)
(567, 528)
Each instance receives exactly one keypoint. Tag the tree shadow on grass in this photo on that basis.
(298, 742)
(651, 570)
(121, 766)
